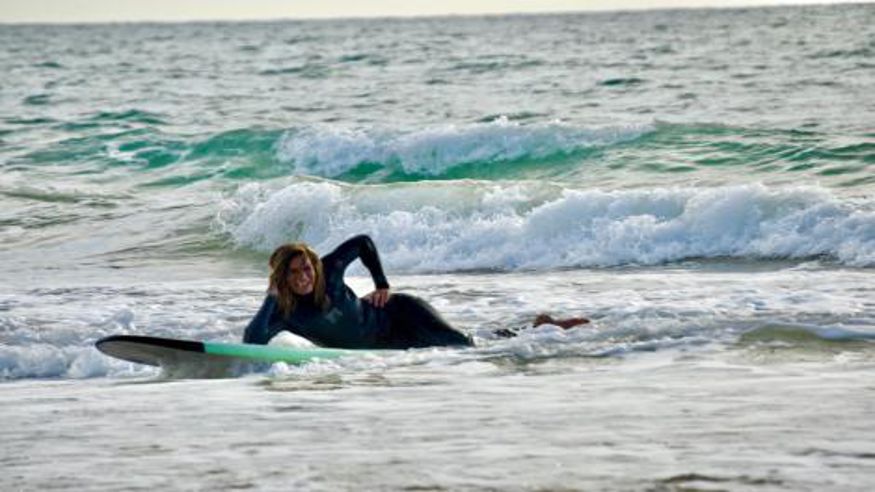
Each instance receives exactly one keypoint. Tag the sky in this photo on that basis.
(75, 11)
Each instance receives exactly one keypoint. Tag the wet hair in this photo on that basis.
(279, 263)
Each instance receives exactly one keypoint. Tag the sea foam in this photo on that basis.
(467, 225)
(49, 361)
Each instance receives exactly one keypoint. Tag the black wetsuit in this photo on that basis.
(348, 322)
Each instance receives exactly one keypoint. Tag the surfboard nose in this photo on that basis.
(152, 351)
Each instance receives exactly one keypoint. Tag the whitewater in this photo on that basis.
(699, 183)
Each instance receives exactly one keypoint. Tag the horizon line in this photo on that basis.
(756, 4)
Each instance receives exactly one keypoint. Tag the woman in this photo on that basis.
(309, 298)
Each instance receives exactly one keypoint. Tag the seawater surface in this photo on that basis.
(697, 182)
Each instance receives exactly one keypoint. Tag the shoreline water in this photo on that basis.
(659, 421)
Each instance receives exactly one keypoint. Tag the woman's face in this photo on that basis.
(301, 275)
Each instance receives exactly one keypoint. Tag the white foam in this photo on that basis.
(289, 339)
(330, 150)
(634, 311)
(42, 360)
(453, 226)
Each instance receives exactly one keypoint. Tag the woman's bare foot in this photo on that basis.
(546, 319)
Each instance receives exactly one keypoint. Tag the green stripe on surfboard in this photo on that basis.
(276, 353)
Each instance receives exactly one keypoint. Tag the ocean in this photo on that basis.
(699, 183)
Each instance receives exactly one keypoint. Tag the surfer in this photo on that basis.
(308, 297)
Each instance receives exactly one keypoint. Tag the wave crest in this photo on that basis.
(330, 151)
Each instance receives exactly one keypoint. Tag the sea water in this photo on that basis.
(697, 182)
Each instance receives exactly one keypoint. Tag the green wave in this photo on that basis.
(528, 168)
(130, 146)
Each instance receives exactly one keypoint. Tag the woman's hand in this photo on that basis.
(378, 297)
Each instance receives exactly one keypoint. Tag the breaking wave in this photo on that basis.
(467, 225)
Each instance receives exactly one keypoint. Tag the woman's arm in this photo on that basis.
(265, 324)
(359, 247)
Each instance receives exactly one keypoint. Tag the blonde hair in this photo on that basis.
(279, 276)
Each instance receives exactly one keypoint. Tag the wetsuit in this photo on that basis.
(348, 322)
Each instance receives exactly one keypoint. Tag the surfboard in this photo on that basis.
(209, 359)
